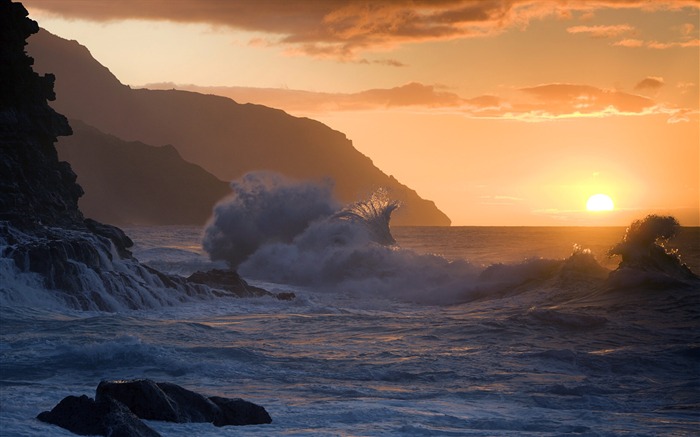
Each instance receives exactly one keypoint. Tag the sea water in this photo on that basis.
(534, 350)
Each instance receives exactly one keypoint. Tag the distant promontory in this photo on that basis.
(222, 137)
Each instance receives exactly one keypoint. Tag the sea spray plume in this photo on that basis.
(264, 207)
(352, 251)
(373, 213)
(642, 251)
(645, 233)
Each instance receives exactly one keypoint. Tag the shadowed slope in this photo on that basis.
(225, 138)
(134, 183)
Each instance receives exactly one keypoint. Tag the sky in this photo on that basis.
(503, 112)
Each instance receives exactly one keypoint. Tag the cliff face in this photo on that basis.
(135, 183)
(51, 255)
(35, 188)
(223, 137)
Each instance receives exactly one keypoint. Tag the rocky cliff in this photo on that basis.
(225, 138)
(129, 182)
(49, 254)
(35, 188)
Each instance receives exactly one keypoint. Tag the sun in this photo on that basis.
(600, 202)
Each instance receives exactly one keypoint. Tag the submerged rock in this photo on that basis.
(171, 403)
(231, 281)
(85, 416)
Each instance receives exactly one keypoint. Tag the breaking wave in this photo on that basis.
(351, 249)
(74, 269)
(645, 259)
(264, 208)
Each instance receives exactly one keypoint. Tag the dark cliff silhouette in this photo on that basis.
(35, 188)
(225, 138)
(134, 183)
(48, 250)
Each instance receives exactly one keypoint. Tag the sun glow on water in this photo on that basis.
(600, 202)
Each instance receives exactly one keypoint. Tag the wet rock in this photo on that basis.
(231, 281)
(239, 412)
(120, 240)
(85, 416)
(169, 402)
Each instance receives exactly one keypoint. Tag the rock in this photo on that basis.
(151, 401)
(225, 138)
(239, 412)
(35, 188)
(42, 230)
(286, 296)
(85, 416)
(228, 280)
(169, 402)
(129, 182)
(120, 240)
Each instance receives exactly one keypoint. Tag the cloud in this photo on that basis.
(629, 42)
(341, 29)
(634, 43)
(562, 99)
(650, 83)
(537, 103)
(674, 44)
(685, 87)
(687, 38)
(405, 96)
(601, 31)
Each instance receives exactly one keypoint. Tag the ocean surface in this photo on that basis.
(462, 331)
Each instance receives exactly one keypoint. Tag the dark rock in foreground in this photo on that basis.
(171, 403)
(119, 406)
(85, 416)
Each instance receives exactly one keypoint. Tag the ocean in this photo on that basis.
(460, 331)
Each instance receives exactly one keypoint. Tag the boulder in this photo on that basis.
(85, 416)
(239, 412)
(169, 402)
(231, 281)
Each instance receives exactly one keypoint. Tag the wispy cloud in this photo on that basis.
(601, 31)
(537, 103)
(634, 43)
(342, 29)
(686, 36)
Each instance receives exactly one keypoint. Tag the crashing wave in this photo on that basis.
(374, 214)
(264, 207)
(65, 268)
(645, 259)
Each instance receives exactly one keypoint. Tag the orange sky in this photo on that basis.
(502, 112)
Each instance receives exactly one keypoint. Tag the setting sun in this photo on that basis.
(599, 202)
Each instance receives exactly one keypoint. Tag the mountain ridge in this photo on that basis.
(143, 184)
(225, 138)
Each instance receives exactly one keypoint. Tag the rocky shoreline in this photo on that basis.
(45, 241)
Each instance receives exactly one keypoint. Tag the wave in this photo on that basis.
(264, 208)
(353, 251)
(645, 259)
(374, 214)
(73, 269)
